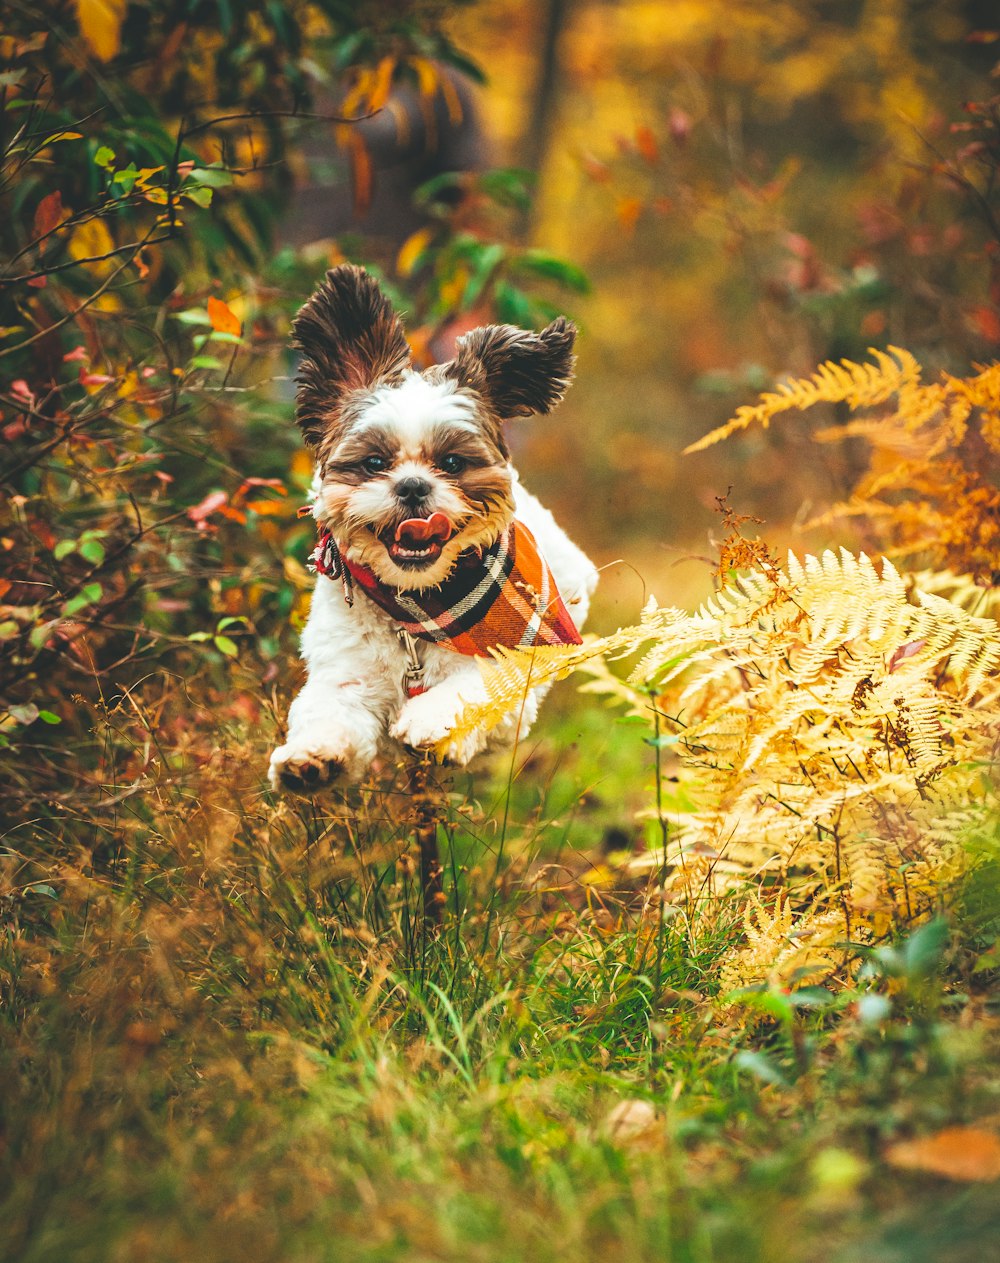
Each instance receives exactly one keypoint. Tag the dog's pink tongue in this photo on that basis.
(437, 526)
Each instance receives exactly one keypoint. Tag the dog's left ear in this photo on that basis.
(351, 340)
(516, 371)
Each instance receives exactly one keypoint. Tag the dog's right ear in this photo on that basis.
(351, 339)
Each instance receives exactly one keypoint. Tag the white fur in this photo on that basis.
(353, 704)
(414, 407)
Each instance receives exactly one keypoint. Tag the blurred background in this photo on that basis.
(750, 189)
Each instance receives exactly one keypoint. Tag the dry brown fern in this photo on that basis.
(931, 486)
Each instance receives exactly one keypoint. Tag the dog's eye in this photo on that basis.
(374, 464)
(451, 464)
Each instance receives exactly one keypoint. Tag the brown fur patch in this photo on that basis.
(515, 371)
(352, 341)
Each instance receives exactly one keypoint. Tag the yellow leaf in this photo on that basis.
(88, 242)
(223, 319)
(101, 24)
(411, 250)
(427, 76)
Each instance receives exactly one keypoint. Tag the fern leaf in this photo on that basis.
(859, 385)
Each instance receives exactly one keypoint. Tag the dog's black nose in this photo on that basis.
(412, 490)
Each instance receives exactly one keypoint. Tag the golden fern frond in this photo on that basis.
(982, 391)
(858, 385)
(510, 674)
(827, 709)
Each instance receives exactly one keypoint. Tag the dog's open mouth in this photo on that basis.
(418, 541)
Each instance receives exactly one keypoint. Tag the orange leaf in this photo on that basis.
(987, 322)
(101, 25)
(382, 84)
(628, 210)
(223, 319)
(645, 142)
(957, 1153)
(48, 215)
(361, 174)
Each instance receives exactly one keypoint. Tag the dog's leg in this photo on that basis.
(336, 722)
(332, 732)
(427, 720)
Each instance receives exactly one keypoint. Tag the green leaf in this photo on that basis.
(223, 623)
(104, 157)
(199, 636)
(513, 305)
(510, 186)
(64, 548)
(549, 266)
(204, 361)
(200, 196)
(47, 717)
(923, 949)
(485, 262)
(126, 178)
(41, 888)
(811, 998)
(211, 177)
(193, 316)
(87, 595)
(8, 629)
(92, 550)
(38, 636)
(226, 646)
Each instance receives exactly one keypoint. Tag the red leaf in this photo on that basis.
(199, 513)
(987, 322)
(645, 142)
(909, 650)
(47, 216)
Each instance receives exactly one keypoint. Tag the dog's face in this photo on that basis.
(413, 466)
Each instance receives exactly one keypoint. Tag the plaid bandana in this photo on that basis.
(507, 597)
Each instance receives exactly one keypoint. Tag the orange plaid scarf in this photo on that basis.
(505, 597)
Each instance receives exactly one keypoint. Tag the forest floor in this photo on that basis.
(242, 1045)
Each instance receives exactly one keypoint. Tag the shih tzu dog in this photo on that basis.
(430, 551)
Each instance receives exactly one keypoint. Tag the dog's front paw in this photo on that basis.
(427, 722)
(306, 769)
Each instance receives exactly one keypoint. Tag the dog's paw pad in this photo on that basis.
(308, 776)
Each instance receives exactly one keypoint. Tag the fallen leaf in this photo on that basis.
(957, 1153)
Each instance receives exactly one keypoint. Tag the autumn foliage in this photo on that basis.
(720, 1027)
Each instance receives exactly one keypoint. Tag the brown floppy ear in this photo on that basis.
(516, 371)
(351, 339)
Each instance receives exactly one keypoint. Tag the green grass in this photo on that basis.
(234, 1040)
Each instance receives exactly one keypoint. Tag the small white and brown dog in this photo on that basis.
(430, 551)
